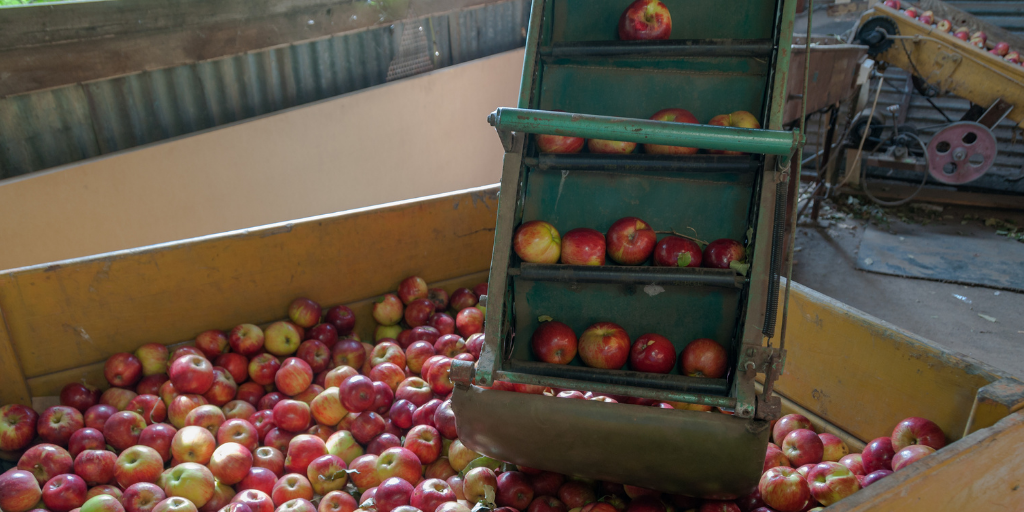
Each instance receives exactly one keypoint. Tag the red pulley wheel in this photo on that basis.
(961, 153)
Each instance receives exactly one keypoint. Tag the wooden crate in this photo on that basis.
(833, 73)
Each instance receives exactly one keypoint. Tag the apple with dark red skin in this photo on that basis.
(212, 343)
(854, 463)
(546, 504)
(469, 321)
(357, 393)
(783, 489)
(417, 353)
(724, 253)
(151, 384)
(342, 318)
(246, 339)
(184, 351)
(574, 493)
(123, 370)
(787, 424)
(703, 358)
(19, 491)
(652, 353)
(292, 415)
(123, 429)
(269, 401)
(583, 246)
(915, 430)
(382, 442)
(746, 504)
(554, 342)
(18, 426)
(439, 377)
(604, 345)
(546, 483)
(401, 413)
(191, 374)
(419, 311)
(137, 464)
(290, 487)
(367, 426)
(654, 504)
(388, 373)
(57, 423)
(415, 390)
(440, 469)
(269, 458)
(425, 442)
(294, 376)
(315, 353)
(263, 368)
(412, 288)
(237, 430)
(236, 364)
(430, 494)
(910, 454)
(117, 397)
(260, 479)
(443, 322)
(159, 437)
(336, 501)
(671, 115)
(514, 490)
(46, 461)
(150, 407)
(537, 241)
(364, 475)
(892, 4)
(348, 353)
(392, 493)
(774, 458)
(450, 345)
(676, 251)
(79, 396)
(255, 500)
(142, 497)
(873, 477)
(645, 20)
(439, 297)
(830, 482)
(878, 455)
(474, 344)
(398, 462)
(444, 420)
(86, 439)
(630, 241)
(802, 446)
(95, 466)
(463, 298)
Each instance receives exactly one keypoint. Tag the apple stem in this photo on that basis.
(702, 243)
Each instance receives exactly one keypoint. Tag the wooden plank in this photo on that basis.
(14, 389)
(837, 356)
(51, 45)
(981, 472)
(930, 194)
(995, 402)
(50, 384)
(75, 313)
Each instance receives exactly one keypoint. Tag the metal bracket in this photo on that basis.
(995, 114)
(462, 372)
(770, 362)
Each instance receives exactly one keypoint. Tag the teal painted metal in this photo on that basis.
(642, 131)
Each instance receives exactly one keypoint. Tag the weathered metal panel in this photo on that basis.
(58, 126)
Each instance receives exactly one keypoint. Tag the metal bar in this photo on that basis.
(744, 48)
(531, 373)
(637, 162)
(643, 131)
(529, 62)
(668, 276)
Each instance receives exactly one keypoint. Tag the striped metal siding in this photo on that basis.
(49, 128)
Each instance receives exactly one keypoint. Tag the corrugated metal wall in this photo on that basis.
(59, 126)
(1007, 175)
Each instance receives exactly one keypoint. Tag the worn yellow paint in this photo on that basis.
(75, 314)
(994, 402)
(820, 424)
(952, 65)
(980, 472)
(865, 375)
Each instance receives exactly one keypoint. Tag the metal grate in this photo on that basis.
(414, 54)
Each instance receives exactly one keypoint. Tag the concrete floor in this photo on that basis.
(942, 312)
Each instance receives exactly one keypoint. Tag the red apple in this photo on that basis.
(835, 448)
(57, 423)
(439, 378)
(645, 20)
(326, 408)
(86, 439)
(159, 437)
(315, 353)
(558, 143)
(604, 345)
(230, 463)
(222, 496)
(724, 253)
(738, 119)
(412, 288)
(263, 422)
(364, 475)
(207, 416)
(193, 444)
(246, 339)
(270, 400)
(878, 454)
(304, 312)
(122, 370)
(191, 374)
(704, 358)
(415, 390)
(401, 413)
(175, 504)
(269, 458)
(96, 467)
(327, 473)
(102, 502)
(652, 353)
(474, 344)
(191, 481)
(337, 501)
(19, 491)
(325, 333)
(263, 368)
(892, 4)
(915, 430)
(336, 377)
(583, 246)
(783, 489)
(292, 415)
(348, 353)
(302, 450)
(672, 115)
(787, 424)
(610, 147)
(854, 463)
(573, 493)
(537, 241)
(440, 469)
(909, 455)
(142, 497)
(388, 309)
(554, 342)
(630, 241)
(417, 353)
(398, 462)
(424, 414)
(430, 494)
(927, 17)
(387, 352)
(137, 464)
(117, 397)
(450, 345)
(46, 461)
(212, 343)
(480, 485)
(469, 321)
(676, 251)
(184, 351)
(439, 297)
(151, 384)
(830, 482)
(293, 377)
(546, 483)
(944, 26)
(911, 12)
(122, 430)
(282, 338)
(802, 446)
(255, 500)
(342, 318)
(444, 420)
(149, 407)
(366, 426)
(425, 442)
(463, 298)
(874, 476)
(1012, 57)
(357, 393)
(418, 312)
(389, 373)
(546, 504)
(962, 33)
(238, 409)
(260, 479)
(79, 396)
(290, 487)
(442, 322)
(18, 426)
(514, 490)
(392, 493)
(774, 458)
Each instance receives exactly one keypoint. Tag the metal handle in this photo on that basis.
(644, 131)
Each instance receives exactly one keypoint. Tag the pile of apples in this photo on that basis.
(978, 39)
(568, 145)
(629, 241)
(606, 345)
(804, 470)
